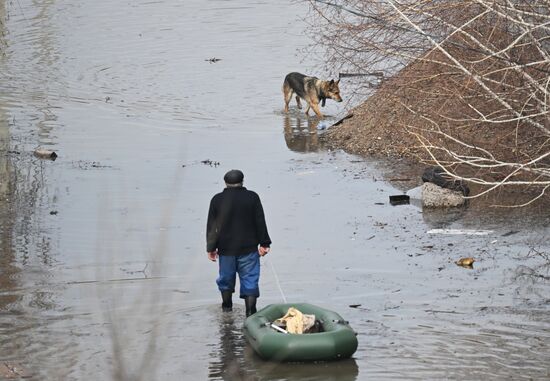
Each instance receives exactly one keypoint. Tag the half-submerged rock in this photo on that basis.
(434, 196)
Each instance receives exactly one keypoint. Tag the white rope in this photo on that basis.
(277, 280)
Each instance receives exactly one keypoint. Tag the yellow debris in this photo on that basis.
(465, 262)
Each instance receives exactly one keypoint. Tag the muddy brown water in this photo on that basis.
(103, 273)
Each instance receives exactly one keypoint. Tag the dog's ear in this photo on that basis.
(338, 81)
(331, 82)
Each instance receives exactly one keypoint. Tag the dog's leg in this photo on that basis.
(287, 92)
(307, 109)
(298, 102)
(315, 107)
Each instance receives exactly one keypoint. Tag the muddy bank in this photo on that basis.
(420, 107)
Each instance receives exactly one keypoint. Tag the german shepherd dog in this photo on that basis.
(310, 89)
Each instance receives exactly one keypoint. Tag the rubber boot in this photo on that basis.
(227, 303)
(250, 303)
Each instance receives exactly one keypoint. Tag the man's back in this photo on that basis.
(236, 222)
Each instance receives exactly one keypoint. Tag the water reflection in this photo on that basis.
(228, 363)
(26, 304)
(301, 132)
(440, 218)
(344, 370)
(8, 271)
(236, 360)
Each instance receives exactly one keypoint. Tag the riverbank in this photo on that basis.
(421, 116)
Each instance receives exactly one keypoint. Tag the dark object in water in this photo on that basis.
(210, 162)
(438, 176)
(400, 199)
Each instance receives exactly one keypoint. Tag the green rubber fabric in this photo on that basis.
(337, 341)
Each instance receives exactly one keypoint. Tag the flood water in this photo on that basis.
(103, 271)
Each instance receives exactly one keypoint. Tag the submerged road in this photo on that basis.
(103, 270)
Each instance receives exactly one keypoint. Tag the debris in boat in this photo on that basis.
(45, 154)
(276, 327)
(466, 262)
(296, 322)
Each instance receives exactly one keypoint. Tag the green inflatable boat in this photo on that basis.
(335, 339)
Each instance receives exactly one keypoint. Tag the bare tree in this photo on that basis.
(470, 79)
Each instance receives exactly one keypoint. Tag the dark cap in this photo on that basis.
(234, 176)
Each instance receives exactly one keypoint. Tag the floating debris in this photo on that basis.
(466, 262)
(87, 165)
(322, 126)
(400, 199)
(459, 231)
(45, 154)
(213, 60)
(210, 162)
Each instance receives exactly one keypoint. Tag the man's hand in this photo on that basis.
(263, 251)
(212, 255)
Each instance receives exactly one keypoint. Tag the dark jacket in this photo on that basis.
(236, 223)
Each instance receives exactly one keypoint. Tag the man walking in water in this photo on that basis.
(236, 235)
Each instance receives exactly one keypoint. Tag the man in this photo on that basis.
(236, 234)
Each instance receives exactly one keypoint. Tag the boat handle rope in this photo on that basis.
(277, 280)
